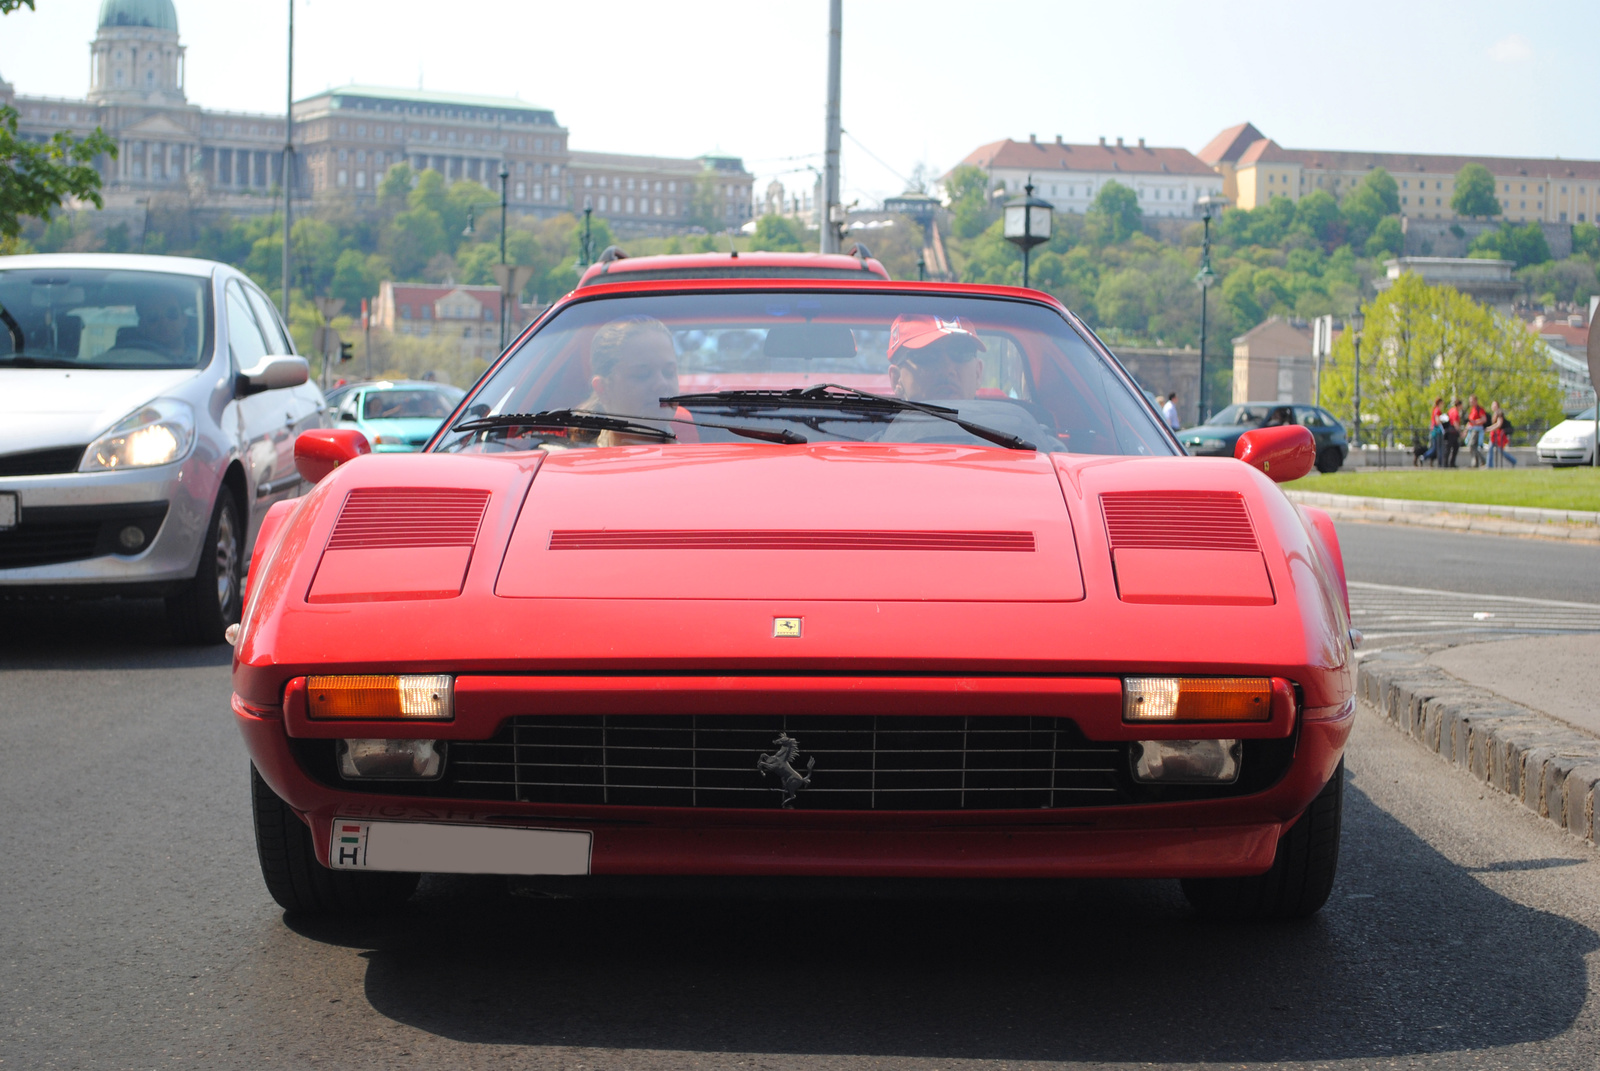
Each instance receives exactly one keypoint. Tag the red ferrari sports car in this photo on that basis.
(798, 577)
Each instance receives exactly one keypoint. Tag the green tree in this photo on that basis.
(1474, 194)
(1364, 207)
(1317, 215)
(1571, 280)
(971, 208)
(428, 193)
(780, 234)
(1114, 215)
(395, 188)
(35, 178)
(411, 240)
(1586, 240)
(1525, 245)
(356, 275)
(467, 196)
(1387, 237)
(1421, 341)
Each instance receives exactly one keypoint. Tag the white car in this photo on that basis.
(1570, 442)
(148, 410)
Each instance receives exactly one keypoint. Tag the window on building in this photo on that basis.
(361, 131)
(672, 208)
(588, 180)
(1563, 217)
(522, 191)
(343, 155)
(629, 209)
(361, 181)
(427, 312)
(538, 145)
(538, 191)
(1524, 187)
(344, 179)
(603, 181)
(588, 202)
(343, 128)
(658, 204)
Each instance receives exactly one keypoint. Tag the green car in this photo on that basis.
(395, 416)
(1217, 436)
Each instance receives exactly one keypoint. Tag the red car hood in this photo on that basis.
(912, 523)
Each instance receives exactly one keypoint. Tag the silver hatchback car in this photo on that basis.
(148, 411)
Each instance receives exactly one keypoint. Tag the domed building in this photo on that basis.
(172, 152)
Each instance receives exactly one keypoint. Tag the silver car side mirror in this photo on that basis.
(274, 373)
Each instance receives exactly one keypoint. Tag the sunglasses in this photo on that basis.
(924, 359)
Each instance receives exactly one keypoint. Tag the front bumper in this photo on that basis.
(1581, 454)
(1196, 838)
(75, 517)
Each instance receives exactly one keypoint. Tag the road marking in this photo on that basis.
(1389, 612)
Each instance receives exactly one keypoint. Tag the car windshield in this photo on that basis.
(1587, 414)
(1015, 370)
(1252, 416)
(402, 404)
(97, 318)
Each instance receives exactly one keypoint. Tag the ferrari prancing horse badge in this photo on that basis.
(786, 627)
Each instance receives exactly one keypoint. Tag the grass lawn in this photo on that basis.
(1545, 488)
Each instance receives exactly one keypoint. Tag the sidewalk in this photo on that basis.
(1576, 525)
(1522, 715)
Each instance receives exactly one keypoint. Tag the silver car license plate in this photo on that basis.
(8, 510)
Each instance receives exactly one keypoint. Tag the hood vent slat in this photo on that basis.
(786, 539)
(392, 518)
(1178, 520)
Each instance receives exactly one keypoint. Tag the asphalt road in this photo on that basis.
(135, 931)
(1461, 561)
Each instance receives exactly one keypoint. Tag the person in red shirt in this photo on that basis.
(1477, 421)
(1435, 436)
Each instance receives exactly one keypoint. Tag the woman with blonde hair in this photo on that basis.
(634, 364)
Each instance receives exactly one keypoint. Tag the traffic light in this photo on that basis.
(347, 352)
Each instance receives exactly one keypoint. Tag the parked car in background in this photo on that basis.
(1570, 442)
(1218, 436)
(148, 411)
(396, 416)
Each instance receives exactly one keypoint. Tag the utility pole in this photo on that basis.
(505, 304)
(831, 207)
(288, 160)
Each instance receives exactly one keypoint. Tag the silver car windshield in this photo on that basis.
(98, 318)
(728, 357)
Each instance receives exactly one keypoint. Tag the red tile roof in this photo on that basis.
(1267, 151)
(1056, 156)
(1229, 145)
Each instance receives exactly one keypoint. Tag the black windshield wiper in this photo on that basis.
(564, 418)
(632, 425)
(818, 397)
(18, 341)
(23, 360)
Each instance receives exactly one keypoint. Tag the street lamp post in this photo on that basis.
(588, 211)
(505, 174)
(1357, 321)
(288, 160)
(1027, 223)
(1205, 278)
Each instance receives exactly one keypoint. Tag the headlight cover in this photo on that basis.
(157, 433)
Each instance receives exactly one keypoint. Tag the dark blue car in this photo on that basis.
(1217, 436)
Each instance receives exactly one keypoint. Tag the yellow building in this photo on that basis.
(1255, 169)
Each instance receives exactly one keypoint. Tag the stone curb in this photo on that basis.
(1526, 514)
(1349, 508)
(1547, 766)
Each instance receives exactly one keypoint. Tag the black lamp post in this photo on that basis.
(1357, 321)
(505, 174)
(1205, 278)
(1027, 223)
(588, 212)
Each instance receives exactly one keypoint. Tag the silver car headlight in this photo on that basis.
(157, 433)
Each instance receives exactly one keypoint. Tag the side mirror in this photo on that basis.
(274, 373)
(321, 450)
(1284, 453)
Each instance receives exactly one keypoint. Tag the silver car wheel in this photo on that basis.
(227, 555)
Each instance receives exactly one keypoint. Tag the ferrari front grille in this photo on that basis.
(854, 763)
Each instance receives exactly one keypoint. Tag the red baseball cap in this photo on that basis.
(916, 330)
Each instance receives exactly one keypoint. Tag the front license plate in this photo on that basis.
(8, 510)
(451, 849)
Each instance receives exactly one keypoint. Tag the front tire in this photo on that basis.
(202, 610)
(1329, 460)
(298, 882)
(1302, 873)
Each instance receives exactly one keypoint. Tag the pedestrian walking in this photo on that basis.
(1452, 433)
(1477, 421)
(1500, 429)
(1435, 435)
(1169, 411)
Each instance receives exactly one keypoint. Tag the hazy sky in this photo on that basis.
(925, 81)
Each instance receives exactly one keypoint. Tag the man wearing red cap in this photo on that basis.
(931, 359)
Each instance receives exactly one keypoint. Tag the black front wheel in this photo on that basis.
(203, 609)
(1329, 460)
(1301, 876)
(298, 882)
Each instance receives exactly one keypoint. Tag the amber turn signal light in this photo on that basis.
(1161, 699)
(405, 697)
